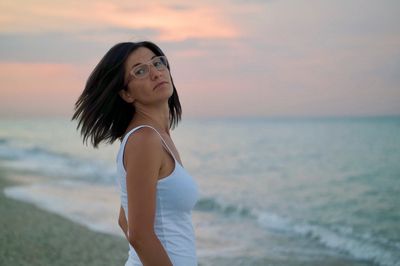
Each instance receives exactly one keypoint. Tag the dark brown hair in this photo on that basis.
(101, 113)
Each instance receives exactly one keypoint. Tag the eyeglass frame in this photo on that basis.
(149, 63)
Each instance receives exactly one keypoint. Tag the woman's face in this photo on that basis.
(154, 88)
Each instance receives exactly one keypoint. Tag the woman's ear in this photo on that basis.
(126, 96)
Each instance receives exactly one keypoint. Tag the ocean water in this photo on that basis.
(271, 189)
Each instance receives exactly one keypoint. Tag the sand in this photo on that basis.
(31, 236)
(67, 230)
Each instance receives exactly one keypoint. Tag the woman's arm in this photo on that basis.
(143, 157)
(122, 222)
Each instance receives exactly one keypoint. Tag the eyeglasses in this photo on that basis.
(142, 71)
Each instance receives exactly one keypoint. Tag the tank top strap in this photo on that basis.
(162, 139)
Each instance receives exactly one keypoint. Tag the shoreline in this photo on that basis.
(284, 208)
(90, 205)
(36, 234)
(32, 236)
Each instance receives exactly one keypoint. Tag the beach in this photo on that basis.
(32, 236)
(284, 115)
(292, 201)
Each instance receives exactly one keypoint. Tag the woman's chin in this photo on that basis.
(165, 89)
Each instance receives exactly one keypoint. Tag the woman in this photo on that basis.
(131, 96)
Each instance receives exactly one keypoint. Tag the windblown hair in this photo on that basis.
(102, 114)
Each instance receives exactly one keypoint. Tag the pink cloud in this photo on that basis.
(173, 24)
(37, 88)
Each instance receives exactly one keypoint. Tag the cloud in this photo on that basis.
(45, 47)
(33, 88)
(278, 57)
(64, 47)
(171, 22)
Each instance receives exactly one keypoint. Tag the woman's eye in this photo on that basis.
(140, 71)
(157, 63)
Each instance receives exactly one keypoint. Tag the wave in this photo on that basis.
(357, 247)
(38, 160)
(211, 204)
(341, 239)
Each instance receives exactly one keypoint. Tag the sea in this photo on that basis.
(273, 190)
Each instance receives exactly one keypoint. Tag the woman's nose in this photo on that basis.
(154, 72)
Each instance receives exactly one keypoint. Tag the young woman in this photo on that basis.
(131, 96)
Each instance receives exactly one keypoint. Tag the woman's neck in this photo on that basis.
(155, 117)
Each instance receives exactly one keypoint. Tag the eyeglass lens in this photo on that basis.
(141, 71)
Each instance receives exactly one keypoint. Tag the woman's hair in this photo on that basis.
(101, 112)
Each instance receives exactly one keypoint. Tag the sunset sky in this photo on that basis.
(228, 57)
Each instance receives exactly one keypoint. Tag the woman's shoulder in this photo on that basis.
(142, 154)
(143, 139)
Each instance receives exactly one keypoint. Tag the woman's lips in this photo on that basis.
(159, 84)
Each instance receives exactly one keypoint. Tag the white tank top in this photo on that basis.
(176, 196)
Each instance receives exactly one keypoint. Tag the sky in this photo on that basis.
(229, 58)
